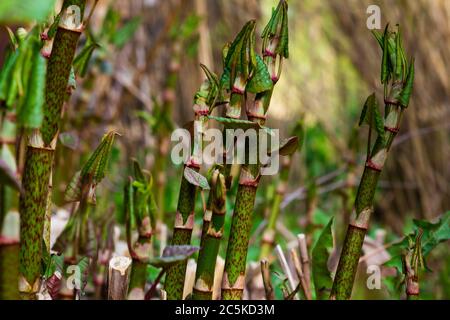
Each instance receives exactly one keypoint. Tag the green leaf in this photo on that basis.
(371, 116)
(56, 263)
(398, 55)
(93, 171)
(124, 34)
(30, 113)
(196, 178)
(6, 74)
(173, 255)
(230, 123)
(320, 255)
(81, 61)
(12, 38)
(405, 95)
(277, 28)
(241, 57)
(13, 11)
(137, 171)
(261, 80)
(433, 234)
(385, 60)
(95, 168)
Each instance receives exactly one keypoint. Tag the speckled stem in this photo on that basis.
(357, 229)
(33, 204)
(9, 266)
(211, 236)
(234, 272)
(174, 283)
(39, 157)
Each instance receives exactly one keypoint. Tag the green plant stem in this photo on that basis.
(234, 272)
(358, 226)
(39, 157)
(211, 236)
(268, 237)
(184, 223)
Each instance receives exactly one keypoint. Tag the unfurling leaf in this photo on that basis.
(6, 77)
(30, 113)
(81, 61)
(172, 255)
(433, 234)
(371, 116)
(196, 178)
(385, 70)
(241, 56)
(277, 30)
(320, 255)
(94, 169)
(261, 80)
(405, 95)
(92, 172)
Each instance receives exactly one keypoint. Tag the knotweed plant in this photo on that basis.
(36, 179)
(140, 207)
(255, 75)
(397, 76)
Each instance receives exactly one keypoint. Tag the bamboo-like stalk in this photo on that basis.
(397, 77)
(204, 278)
(118, 276)
(184, 218)
(268, 237)
(275, 48)
(40, 151)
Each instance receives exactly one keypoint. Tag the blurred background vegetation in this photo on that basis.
(148, 65)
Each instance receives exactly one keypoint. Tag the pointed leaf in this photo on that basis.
(196, 178)
(320, 255)
(81, 61)
(371, 116)
(236, 123)
(433, 234)
(95, 168)
(405, 95)
(172, 255)
(30, 113)
(385, 59)
(261, 80)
